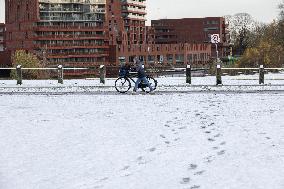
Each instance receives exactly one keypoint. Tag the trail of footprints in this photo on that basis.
(211, 130)
(174, 127)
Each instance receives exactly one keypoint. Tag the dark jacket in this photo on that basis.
(140, 70)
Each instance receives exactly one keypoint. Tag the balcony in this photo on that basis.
(73, 1)
(136, 3)
(78, 55)
(72, 46)
(69, 37)
(69, 28)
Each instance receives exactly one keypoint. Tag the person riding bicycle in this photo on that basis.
(141, 75)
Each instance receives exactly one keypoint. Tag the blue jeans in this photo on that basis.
(144, 79)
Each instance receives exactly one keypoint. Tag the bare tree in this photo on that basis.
(241, 25)
(281, 8)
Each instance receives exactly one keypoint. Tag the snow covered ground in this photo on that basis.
(162, 141)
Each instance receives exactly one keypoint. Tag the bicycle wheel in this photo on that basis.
(153, 83)
(122, 84)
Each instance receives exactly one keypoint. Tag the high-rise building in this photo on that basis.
(126, 21)
(68, 32)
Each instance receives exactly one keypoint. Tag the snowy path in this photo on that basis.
(163, 141)
(231, 84)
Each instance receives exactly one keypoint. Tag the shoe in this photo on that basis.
(152, 92)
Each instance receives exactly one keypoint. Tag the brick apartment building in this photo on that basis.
(5, 56)
(68, 32)
(192, 30)
(178, 54)
(87, 33)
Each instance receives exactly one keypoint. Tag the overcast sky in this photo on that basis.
(261, 10)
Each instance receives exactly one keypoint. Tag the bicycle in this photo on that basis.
(123, 83)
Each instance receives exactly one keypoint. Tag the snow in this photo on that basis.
(163, 141)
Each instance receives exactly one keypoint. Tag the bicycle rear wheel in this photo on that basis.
(153, 83)
(122, 84)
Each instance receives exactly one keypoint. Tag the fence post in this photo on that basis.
(19, 75)
(219, 75)
(261, 74)
(102, 74)
(60, 74)
(188, 74)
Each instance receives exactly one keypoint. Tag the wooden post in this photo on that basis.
(261, 74)
(19, 75)
(219, 75)
(102, 74)
(60, 74)
(188, 74)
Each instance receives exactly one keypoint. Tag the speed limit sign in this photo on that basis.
(215, 38)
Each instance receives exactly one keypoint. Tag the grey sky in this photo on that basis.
(261, 10)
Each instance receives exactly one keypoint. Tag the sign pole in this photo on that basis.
(217, 52)
(215, 38)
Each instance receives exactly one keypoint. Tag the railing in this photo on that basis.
(219, 69)
(102, 72)
(60, 72)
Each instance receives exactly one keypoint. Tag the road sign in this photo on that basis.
(215, 38)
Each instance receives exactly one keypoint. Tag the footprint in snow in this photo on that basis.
(221, 152)
(195, 187)
(192, 167)
(211, 139)
(152, 149)
(209, 159)
(162, 136)
(223, 143)
(103, 179)
(199, 172)
(166, 125)
(100, 186)
(125, 168)
(182, 128)
(185, 180)
(218, 135)
(211, 124)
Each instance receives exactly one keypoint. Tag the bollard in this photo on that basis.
(188, 74)
(60, 74)
(219, 75)
(19, 75)
(261, 74)
(102, 74)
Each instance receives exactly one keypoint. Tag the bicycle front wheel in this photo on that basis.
(122, 85)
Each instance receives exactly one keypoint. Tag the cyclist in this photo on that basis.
(141, 75)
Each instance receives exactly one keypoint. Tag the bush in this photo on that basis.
(27, 60)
